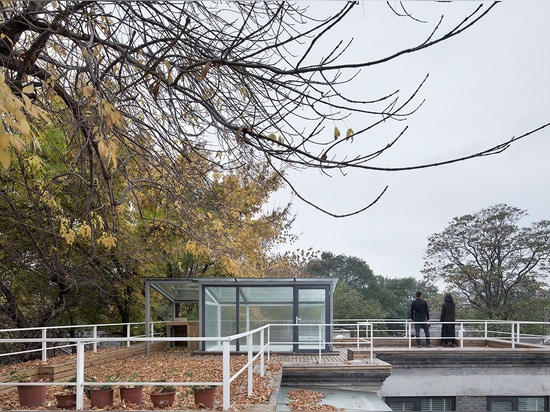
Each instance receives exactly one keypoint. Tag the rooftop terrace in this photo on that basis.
(363, 359)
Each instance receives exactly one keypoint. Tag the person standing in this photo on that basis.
(420, 315)
(448, 315)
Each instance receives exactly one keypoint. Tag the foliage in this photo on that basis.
(354, 271)
(16, 376)
(360, 292)
(349, 304)
(396, 294)
(199, 388)
(18, 111)
(108, 378)
(69, 389)
(132, 380)
(87, 283)
(167, 388)
(497, 265)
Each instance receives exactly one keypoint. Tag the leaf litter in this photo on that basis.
(308, 400)
(174, 365)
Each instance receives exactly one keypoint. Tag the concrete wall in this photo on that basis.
(469, 376)
(467, 382)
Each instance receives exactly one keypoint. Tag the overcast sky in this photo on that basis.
(485, 86)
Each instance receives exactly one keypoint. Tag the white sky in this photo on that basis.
(485, 86)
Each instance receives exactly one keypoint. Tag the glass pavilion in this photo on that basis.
(301, 309)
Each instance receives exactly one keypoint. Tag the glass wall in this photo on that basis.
(311, 317)
(303, 312)
(220, 306)
(261, 306)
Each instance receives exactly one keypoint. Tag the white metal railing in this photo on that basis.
(513, 332)
(363, 333)
(93, 332)
(226, 362)
(374, 329)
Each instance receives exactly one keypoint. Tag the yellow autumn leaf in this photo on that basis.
(336, 133)
(85, 231)
(4, 140)
(107, 240)
(27, 102)
(29, 89)
(88, 91)
(24, 127)
(243, 90)
(5, 158)
(272, 136)
(98, 221)
(17, 144)
(102, 148)
(205, 70)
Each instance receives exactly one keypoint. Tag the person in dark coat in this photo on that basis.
(448, 315)
(420, 315)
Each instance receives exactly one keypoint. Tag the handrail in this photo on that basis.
(92, 328)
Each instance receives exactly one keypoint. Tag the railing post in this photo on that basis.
(371, 338)
(262, 357)
(486, 329)
(226, 374)
(80, 375)
(357, 334)
(513, 335)
(268, 343)
(128, 334)
(94, 335)
(461, 334)
(44, 345)
(320, 342)
(249, 341)
(408, 331)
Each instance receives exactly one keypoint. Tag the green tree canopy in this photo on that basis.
(350, 304)
(496, 264)
(385, 297)
(354, 271)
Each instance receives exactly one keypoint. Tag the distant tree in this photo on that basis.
(497, 265)
(396, 295)
(354, 271)
(349, 304)
(351, 299)
(392, 296)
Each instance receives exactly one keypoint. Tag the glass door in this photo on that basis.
(311, 314)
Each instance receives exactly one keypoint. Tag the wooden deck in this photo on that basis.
(339, 358)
